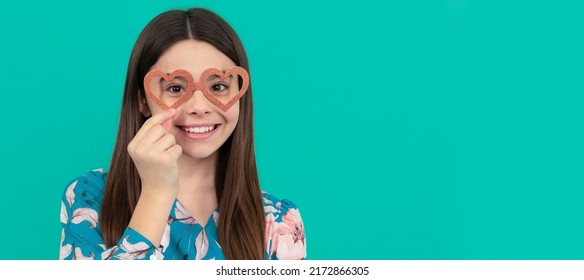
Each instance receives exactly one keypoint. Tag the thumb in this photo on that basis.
(167, 124)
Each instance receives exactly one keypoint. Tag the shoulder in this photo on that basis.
(273, 204)
(86, 190)
(285, 236)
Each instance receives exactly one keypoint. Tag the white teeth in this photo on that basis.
(199, 129)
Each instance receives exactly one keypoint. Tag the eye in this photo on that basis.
(219, 87)
(175, 89)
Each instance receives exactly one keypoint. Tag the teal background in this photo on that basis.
(445, 129)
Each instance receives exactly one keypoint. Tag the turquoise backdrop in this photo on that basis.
(438, 129)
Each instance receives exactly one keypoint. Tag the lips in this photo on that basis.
(199, 128)
(198, 132)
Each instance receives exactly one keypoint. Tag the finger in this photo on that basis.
(174, 151)
(155, 120)
(153, 135)
(167, 124)
(164, 143)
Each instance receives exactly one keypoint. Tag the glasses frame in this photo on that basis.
(193, 86)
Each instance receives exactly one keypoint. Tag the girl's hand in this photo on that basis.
(155, 154)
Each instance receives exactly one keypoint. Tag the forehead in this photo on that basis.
(193, 56)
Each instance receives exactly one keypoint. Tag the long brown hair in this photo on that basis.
(241, 221)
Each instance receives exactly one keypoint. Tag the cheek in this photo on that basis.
(232, 115)
(152, 107)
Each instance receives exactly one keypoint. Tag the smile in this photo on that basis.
(199, 129)
(199, 132)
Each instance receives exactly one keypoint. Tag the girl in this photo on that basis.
(183, 182)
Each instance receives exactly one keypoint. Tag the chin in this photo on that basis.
(199, 153)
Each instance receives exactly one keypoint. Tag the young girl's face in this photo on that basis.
(198, 126)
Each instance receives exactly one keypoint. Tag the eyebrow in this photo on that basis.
(177, 77)
(182, 79)
(215, 76)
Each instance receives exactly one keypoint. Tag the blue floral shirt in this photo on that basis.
(183, 238)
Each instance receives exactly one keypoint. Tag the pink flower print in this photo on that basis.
(183, 215)
(216, 217)
(201, 245)
(270, 209)
(157, 255)
(107, 254)
(266, 201)
(65, 250)
(270, 219)
(85, 214)
(288, 236)
(133, 250)
(165, 238)
(79, 255)
(70, 194)
(63, 213)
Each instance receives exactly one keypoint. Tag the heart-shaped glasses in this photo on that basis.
(172, 90)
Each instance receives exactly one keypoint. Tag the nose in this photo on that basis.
(198, 104)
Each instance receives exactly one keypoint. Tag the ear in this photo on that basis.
(144, 109)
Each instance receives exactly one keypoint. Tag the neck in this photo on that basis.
(197, 176)
(196, 186)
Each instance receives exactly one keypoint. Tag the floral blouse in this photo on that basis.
(183, 238)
